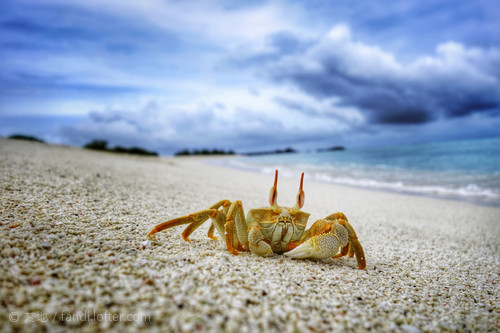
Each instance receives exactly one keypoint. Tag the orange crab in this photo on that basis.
(275, 229)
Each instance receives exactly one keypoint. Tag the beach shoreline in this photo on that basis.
(458, 170)
(494, 204)
(74, 225)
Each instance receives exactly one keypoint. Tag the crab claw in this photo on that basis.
(317, 247)
(326, 237)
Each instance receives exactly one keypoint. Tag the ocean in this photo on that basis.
(464, 170)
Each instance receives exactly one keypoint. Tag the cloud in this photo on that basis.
(72, 51)
(454, 81)
(23, 84)
(409, 28)
(161, 127)
(169, 74)
(220, 22)
(157, 128)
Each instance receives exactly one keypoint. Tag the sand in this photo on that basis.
(74, 252)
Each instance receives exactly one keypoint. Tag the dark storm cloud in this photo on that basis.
(409, 27)
(454, 81)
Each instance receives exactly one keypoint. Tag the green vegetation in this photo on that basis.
(25, 137)
(134, 151)
(97, 145)
(103, 146)
(186, 152)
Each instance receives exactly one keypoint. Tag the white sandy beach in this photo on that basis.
(74, 252)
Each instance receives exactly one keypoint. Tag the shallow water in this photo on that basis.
(467, 170)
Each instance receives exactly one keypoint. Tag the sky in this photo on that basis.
(249, 75)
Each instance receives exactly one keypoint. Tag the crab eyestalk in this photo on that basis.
(301, 196)
(273, 193)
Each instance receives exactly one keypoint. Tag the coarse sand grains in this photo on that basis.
(74, 252)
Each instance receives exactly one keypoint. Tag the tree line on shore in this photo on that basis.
(25, 138)
(287, 150)
(215, 151)
(102, 145)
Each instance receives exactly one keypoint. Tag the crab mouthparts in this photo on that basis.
(284, 230)
(284, 224)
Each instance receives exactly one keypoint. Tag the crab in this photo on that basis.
(274, 230)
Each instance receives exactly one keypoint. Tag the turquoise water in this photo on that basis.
(468, 170)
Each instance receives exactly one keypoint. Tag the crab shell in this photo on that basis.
(280, 227)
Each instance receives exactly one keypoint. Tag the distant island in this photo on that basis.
(187, 152)
(334, 148)
(277, 151)
(103, 146)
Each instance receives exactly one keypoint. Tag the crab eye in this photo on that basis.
(301, 196)
(273, 193)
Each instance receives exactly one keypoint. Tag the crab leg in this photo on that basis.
(195, 220)
(219, 224)
(353, 247)
(220, 219)
(336, 216)
(232, 242)
(210, 233)
(343, 251)
(236, 214)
